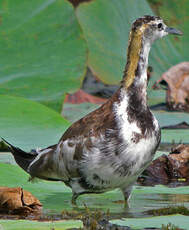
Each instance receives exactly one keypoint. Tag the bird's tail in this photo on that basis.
(23, 159)
(38, 163)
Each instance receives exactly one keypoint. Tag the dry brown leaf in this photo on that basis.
(179, 158)
(82, 97)
(168, 168)
(17, 200)
(177, 80)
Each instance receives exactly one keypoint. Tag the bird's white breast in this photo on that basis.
(142, 151)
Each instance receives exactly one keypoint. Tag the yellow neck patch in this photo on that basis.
(133, 54)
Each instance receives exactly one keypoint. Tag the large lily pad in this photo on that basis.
(106, 26)
(173, 118)
(177, 17)
(74, 112)
(175, 136)
(36, 225)
(43, 53)
(28, 124)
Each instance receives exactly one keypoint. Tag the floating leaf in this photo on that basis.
(18, 201)
(28, 124)
(175, 136)
(36, 225)
(74, 112)
(173, 118)
(43, 53)
(177, 17)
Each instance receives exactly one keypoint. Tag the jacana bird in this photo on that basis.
(111, 146)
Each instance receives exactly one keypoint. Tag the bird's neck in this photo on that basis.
(135, 75)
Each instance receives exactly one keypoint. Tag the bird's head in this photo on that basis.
(144, 32)
(152, 28)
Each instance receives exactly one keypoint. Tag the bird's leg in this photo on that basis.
(74, 198)
(127, 194)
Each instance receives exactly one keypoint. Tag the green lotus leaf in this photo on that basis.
(43, 53)
(74, 112)
(36, 225)
(177, 17)
(173, 118)
(28, 124)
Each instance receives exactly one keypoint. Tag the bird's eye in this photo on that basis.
(160, 25)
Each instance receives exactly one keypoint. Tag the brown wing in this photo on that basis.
(95, 123)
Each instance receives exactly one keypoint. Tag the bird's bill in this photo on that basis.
(173, 31)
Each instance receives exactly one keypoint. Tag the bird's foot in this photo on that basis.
(127, 196)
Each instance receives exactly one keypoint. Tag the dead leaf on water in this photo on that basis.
(176, 79)
(18, 201)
